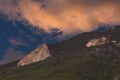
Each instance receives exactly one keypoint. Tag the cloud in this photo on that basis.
(9, 8)
(18, 42)
(69, 16)
(11, 55)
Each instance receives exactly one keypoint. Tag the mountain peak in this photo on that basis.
(39, 54)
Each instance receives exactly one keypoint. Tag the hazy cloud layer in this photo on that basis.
(11, 55)
(70, 16)
(18, 42)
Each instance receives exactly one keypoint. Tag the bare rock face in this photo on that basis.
(96, 42)
(39, 54)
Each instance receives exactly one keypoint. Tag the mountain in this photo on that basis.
(88, 56)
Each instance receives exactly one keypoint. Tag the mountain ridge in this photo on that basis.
(72, 60)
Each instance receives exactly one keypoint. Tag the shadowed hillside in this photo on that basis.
(73, 60)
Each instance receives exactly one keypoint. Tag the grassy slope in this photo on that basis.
(69, 63)
(67, 67)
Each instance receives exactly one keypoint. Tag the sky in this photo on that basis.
(49, 21)
(17, 40)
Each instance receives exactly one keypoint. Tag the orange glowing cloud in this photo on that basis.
(69, 16)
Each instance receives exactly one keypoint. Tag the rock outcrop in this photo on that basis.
(96, 42)
(39, 54)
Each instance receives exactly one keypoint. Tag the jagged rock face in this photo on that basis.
(39, 54)
(96, 42)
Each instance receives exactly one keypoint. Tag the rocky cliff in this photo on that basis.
(95, 42)
(39, 54)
